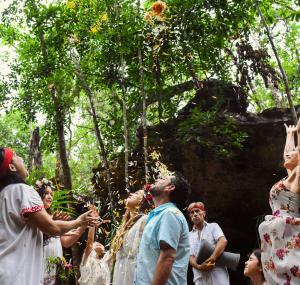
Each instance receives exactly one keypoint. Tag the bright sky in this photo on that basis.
(6, 53)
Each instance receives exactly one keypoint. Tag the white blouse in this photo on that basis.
(21, 243)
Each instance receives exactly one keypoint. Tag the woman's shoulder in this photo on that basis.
(144, 217)
(212, 225)
(18, 188)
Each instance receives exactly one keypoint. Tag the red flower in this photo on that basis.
(148, 187)
(280, 253)
(266, 237)
(294, 270)
(158, 7)
(149, 197)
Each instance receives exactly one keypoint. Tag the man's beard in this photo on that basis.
(155, 190)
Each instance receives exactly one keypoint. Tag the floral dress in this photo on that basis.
(280, 238)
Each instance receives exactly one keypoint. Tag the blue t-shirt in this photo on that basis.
(165, 223)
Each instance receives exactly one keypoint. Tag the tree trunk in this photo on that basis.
(35, 156)
(144, 116)
(144, 109)
(125, 124)
(158, 82)
(283, 74)
(101, 146)
(62, 149)
(59, 123)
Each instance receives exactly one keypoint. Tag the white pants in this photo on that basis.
(218, 276)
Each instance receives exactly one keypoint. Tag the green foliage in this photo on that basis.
(63, 201)
(192, 39)
(221, 136)
(15, 133)
(64, 269)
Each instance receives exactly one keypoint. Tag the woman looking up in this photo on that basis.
(53, 244)
(253, 268)
(22, 221)
(280, 232)
(123, 250)
(125, 245)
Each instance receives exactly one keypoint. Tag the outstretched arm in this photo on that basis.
(91, 236)
(45, 223)
(69, 238)
(290, 140)
(89, 244)
(298, 163)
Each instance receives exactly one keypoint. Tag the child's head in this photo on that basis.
(99, 248)
(253, 266)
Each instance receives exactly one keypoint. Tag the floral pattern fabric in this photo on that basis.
(280, 238)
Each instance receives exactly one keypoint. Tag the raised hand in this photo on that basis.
(59, 215)
(89, 219)
(290, 128)
(74, 232)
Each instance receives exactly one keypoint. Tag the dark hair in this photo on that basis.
(180, 195)
(257, 253)
(10, 177)
(41, 187)
(145, 205)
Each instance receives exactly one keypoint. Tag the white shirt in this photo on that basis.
(211, 232)
(21, 243)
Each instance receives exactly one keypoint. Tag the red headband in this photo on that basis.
(8, 156)
(198, 207)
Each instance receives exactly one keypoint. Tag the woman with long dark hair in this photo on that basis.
(53, 244)
(22, 221)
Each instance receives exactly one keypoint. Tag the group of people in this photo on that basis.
(151, 246)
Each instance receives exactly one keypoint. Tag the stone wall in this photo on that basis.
(235, 190)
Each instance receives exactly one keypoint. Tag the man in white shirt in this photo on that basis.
(209, 272)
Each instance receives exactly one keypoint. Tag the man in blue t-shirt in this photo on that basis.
(164, 250)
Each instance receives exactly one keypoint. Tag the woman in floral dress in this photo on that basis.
(280, 232)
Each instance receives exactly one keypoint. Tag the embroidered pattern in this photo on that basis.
(32, 209)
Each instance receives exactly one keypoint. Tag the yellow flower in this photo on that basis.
(104, 17)
(148, 17)
(95, 29)
(70, 4)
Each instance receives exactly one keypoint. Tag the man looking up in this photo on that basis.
(164, 249)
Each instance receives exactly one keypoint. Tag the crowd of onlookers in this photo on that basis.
(153, 244)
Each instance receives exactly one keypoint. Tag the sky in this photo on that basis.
(6, 53)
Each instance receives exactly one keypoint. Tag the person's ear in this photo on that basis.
(12, 168)
(170, 188)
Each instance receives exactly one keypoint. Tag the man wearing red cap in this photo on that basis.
(207, 273)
